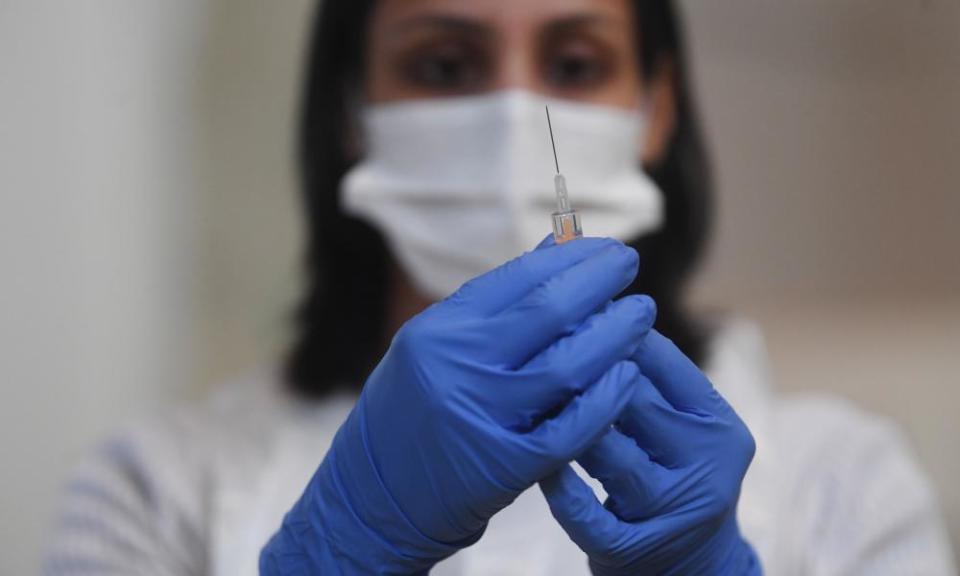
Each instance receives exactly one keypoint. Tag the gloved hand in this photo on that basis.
(672, 467)
(478, 397)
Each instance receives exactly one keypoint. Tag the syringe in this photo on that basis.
(566, 220)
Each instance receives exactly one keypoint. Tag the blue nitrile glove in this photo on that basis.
(477, 398)
(672, 467)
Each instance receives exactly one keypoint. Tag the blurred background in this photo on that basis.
(149, 228)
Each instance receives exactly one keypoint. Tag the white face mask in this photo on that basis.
(461, 185)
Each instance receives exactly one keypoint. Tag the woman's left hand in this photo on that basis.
(672, 467)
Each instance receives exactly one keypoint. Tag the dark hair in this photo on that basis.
(341, 320)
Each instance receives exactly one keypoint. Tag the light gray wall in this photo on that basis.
(149, 229)
(836, 135)
(97, 206)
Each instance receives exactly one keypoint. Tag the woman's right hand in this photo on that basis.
(478, 398)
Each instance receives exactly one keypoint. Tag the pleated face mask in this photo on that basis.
(459, 186)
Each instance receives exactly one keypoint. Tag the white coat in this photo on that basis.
(832, 491)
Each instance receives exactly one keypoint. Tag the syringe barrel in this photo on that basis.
(563, 200)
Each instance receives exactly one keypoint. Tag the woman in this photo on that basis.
(424, 168)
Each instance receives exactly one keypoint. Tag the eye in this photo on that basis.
(448, 66)
(577, 65)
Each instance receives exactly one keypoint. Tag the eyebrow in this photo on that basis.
(574, 22)
(447, 23)
(462, 25)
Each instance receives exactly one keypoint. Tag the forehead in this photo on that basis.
(502, 14)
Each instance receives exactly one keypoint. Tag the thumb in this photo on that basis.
(546, 242)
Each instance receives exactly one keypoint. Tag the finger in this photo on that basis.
(583, 420)
(560, 304)
(652, 423)
(677, 378)
(627, 473)
(506, 284)
(673, 438)
(575, 507)
(574, 362)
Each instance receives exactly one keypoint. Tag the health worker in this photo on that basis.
(468, 397)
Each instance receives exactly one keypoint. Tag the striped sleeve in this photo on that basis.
(878, 515)
(133, 508)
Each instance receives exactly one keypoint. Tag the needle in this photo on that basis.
(552, 141)
(566, 220)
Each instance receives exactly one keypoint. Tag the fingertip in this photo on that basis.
(606, 255)
(567, 495)
(576, 508)
(548, 241)
(627, 252)
(633, 255)
(616, 261)
(649, 303)
(631, 260)
(644, 307)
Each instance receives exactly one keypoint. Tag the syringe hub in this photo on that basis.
(566, 221)
(566, 226)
